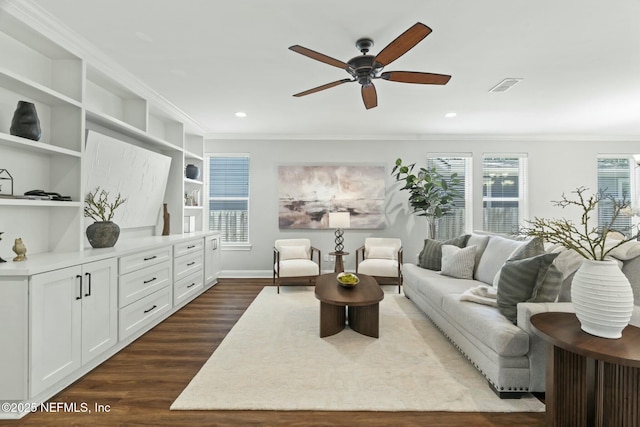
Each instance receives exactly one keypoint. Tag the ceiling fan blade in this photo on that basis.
(319, 56)
(323, 87)
(416, 77)
(403, 43)
(369, 96)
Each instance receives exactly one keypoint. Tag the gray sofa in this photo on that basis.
(506, 352)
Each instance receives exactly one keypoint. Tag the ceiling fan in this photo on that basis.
(366, 68)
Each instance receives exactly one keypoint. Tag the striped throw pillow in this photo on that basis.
(458, 262)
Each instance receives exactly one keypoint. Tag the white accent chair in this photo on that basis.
(293, 259)
(382, 259)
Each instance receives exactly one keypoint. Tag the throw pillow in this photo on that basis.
(381, 252)
(480, 242)
(531, 248)
(293, 252)
(458, 262)
(548, 287)
(518, 279)
(497, 252)
(431, 255)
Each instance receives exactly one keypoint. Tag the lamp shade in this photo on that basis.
(339, 220)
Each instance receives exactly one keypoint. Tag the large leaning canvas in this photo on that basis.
(308, 193)
(138, 174)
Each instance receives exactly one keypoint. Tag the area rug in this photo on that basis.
(274, 359)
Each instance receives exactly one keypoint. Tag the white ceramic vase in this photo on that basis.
(602, 297)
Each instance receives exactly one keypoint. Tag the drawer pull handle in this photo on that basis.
(152, 308)
(150, 258)
(191, 263)
(150, 280)
(193, 284)
(191, 247)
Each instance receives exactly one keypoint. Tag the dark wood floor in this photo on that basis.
(140, 383)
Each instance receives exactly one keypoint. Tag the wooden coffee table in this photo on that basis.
(359, 304)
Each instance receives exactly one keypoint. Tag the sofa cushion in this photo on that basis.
(518, 278)
(379, 267)
(431, 255)
(497, 252)
(487, 325)
(293, 252)
(432, 284)
(458, 262)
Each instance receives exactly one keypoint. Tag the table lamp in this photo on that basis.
(339, 220)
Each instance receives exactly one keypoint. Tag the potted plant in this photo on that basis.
(103, 233)
(431, 194)
(600, 292)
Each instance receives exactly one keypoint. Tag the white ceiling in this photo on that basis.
(580, 61)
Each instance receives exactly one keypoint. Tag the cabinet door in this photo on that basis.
(55, 315)
(212, 262)
(99, 307)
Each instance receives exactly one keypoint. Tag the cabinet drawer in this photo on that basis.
(187, 264)
(187, 287)
(191, 246)
(140, 260)
(141, 283)
(144, 312)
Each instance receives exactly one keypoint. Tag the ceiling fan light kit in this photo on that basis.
(366, 68)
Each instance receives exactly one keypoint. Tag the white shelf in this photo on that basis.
(34, 90)
(190, 155)
(193, 181)
(39, 203)
(36, 146)
(129, 130)
(193, 208)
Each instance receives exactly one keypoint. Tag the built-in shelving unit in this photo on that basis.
(73, 92)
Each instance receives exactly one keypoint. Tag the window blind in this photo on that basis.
(503, 192)
(229, 197)
(614, 178)
(455, 222)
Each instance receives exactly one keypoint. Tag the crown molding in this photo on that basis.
(424, 137)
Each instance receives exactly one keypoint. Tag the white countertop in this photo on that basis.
(42, 262)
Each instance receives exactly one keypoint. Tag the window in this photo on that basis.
(229, 197)
(455, 222)
(503, 192)
(615, 177)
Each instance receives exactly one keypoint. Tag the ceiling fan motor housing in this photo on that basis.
(363, 68)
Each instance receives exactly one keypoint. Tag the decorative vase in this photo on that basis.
(192, 171)
(25, 122)
(166, 229)
(103, 234)
(602, 297)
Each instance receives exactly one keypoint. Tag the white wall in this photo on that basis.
(554, 167)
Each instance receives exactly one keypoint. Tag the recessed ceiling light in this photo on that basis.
(450, 115)
(241, 114)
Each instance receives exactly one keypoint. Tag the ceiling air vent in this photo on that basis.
(505, 85)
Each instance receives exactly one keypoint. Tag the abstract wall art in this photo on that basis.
(308, 193)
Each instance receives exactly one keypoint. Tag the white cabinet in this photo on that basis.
(73, 319)
(145, 289)
(188, 264)
(212, 259)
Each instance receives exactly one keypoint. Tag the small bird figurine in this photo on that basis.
(20, 249)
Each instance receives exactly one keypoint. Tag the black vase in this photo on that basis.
(25, 122)
(103, 234)
(192, 171)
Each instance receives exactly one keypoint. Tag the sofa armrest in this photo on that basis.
(528, 309)
(537, 346)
